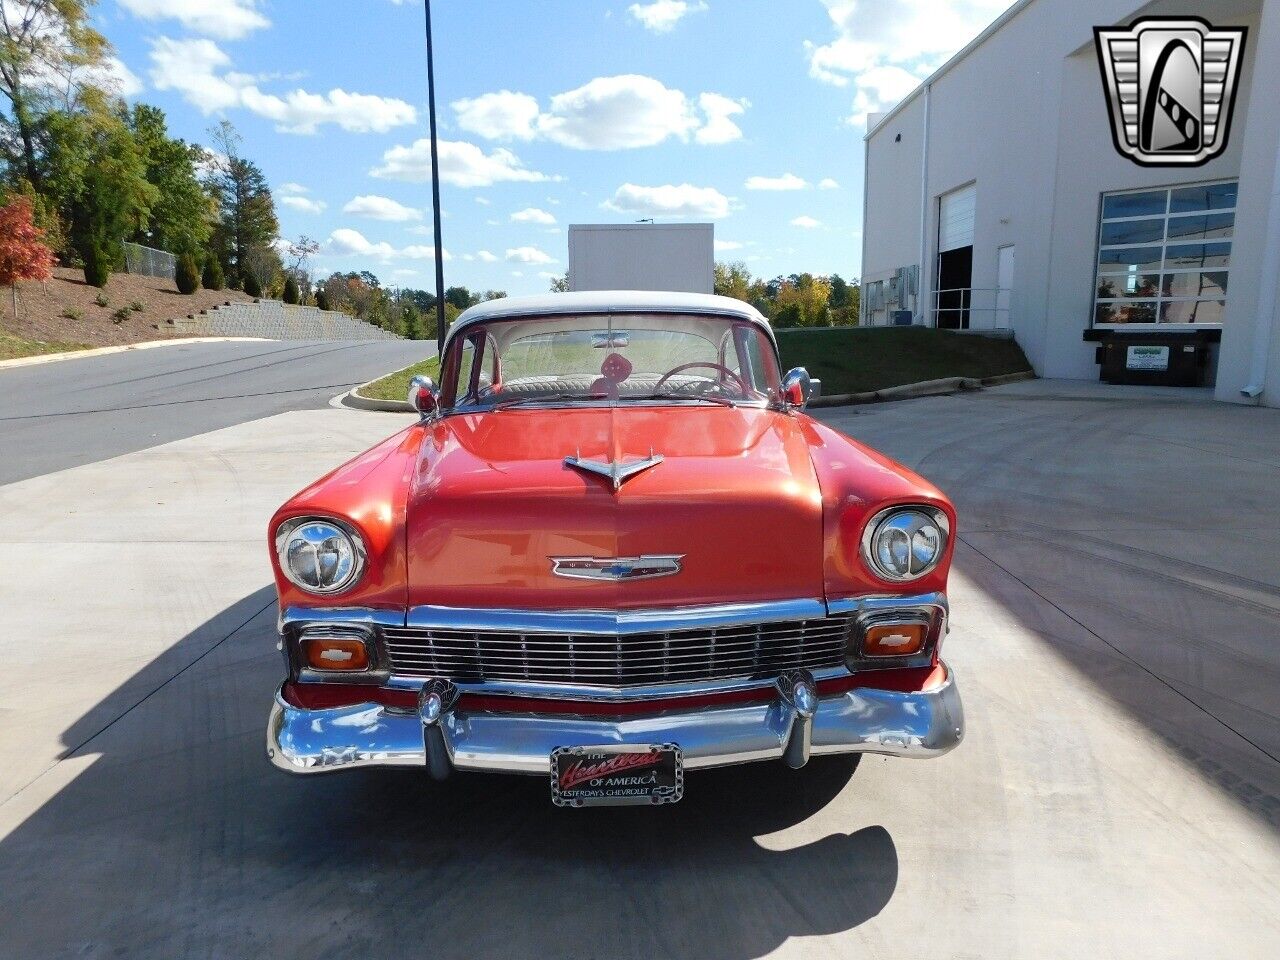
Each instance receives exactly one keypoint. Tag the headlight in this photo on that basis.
(318, 555)
(905, 543)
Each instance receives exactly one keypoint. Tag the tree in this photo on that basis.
(251, 285)
(212, 278)
(181, 217)
(290, 290)
(23, 253)
(187, 276)
(458, 297)
(262, 263)
(246, 211)
(96, 176)
(322, 299)
(49, 57)
(561, 284)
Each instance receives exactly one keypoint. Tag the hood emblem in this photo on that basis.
(613, 471)
(617, 568)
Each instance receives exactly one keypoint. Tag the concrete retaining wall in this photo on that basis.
(278, 321)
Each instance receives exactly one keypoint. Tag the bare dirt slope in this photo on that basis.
(41, 307)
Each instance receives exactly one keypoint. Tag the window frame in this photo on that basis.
(1159, 300)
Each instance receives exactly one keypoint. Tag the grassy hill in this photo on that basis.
(62, 313)
(845, 359)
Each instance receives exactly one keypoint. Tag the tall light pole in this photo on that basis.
(435, 184)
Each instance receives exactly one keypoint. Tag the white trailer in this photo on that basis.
(642, 256)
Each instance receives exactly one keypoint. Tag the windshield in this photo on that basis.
(611, 358)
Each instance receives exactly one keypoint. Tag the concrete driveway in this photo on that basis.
(1116, 632)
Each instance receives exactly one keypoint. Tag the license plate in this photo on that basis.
(616, 775)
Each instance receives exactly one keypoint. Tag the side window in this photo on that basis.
(466, 366)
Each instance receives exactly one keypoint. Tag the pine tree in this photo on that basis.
(246, 211)
(212, 278)
(291, 294)
(187, 275)
(251, 285)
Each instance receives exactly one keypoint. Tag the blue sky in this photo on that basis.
(749, 113)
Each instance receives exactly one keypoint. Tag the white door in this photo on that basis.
(955, 218)
(1004, 286)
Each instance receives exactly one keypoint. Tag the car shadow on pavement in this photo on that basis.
(168, 834)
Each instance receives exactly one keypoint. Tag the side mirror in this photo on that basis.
(423, 396)
(798, 388)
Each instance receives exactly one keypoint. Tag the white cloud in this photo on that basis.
(224, 19)
(806, 222)
(347, 242)
(670, 200)
(532, 215)
(661, 16)
(618, 113)
(884, 48)
(719, 128)
(198, 69)
(461, 164)
(606, 113)
(293, 188)
(483, 201)
(788, 181)
(305, 204)
(113, 75)
(529, 255)
(486, 256)
(381, 208)
(724, 246)
(499, 116)
(826, 183)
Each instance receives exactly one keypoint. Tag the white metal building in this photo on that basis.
(995, 197)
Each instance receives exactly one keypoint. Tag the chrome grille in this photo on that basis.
(704, 653)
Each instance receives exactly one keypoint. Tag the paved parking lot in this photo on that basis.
(1116, 633)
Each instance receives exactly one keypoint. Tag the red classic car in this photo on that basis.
(612, 549)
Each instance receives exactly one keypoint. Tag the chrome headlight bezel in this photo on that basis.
(876, 525)
(285, 532)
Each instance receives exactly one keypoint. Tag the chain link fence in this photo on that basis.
(149, 262)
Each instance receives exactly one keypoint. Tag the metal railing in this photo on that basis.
(972, 308)
(149, 262)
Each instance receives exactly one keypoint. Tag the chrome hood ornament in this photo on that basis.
(643, 567)
(614, 471)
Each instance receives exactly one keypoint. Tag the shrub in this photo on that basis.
(97, 265)
(251, 285)
(101, 299)
(212, 278)
(322, 299)
(188, 275)
(71, 313)
(136, 306)
(291, 294)
(121, 315)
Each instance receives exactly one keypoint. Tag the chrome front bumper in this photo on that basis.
(919, 724)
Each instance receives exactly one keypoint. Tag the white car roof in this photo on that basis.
(609, 301)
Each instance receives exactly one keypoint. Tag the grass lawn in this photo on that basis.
(13, 346)
(395, 386)
(861, 359)
(846, 360)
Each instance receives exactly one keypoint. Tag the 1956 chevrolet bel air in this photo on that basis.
(612, 549)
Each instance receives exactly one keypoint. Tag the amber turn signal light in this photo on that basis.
(894, 639)
(327, 654)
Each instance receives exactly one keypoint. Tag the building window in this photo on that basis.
(1164, 256)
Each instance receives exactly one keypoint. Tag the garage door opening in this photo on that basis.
(955, 258)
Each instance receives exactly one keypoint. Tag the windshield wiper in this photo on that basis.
(719, 401)
(543, 398)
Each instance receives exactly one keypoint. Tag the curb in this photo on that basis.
(104, 351)
(925, 388)
(907, 391)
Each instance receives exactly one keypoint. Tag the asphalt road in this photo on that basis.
(63, 414)
(1115, 632)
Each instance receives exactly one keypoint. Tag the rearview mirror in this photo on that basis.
(798, 388)
(423, 396)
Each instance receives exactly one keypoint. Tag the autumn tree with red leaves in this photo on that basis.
(23, 253)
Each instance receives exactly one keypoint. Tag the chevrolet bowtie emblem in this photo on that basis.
(617, 568)
(613, 471)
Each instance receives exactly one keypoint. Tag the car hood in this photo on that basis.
(493, 502)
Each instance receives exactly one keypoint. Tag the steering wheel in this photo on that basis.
(742, 386)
